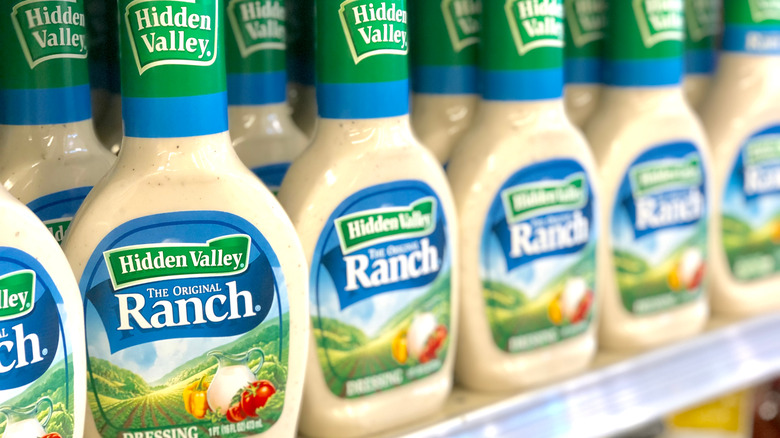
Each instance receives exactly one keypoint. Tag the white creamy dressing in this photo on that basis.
(345, 157)
(628, 121)
(439, 121)
(38, 160)
(581, 100)
(745, 99)
(24, 231)
(265, 134)
(484, 159)
(696, 88)
(154, 176)
(303, 100)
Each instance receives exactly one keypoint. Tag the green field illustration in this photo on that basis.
(511, 313)
(131, 403)
(348, 354)
(752, 253)
(50, 385)
(646, 288)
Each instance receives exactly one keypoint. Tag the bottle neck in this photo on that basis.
(645, 42)
(256, 60)
(180, 91)
(751, 28)
(300, 41)
(43, 85)
(362, 66)
(702, 25)
(521, 52)
(584, 32)
(444, 61)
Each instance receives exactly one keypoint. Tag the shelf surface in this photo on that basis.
(619, 392)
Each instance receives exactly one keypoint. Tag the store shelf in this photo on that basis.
(619, 392)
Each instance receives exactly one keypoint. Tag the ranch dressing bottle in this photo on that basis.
(702, 24)
(654, 166)
(193, 285)
(742, 117)
(262, 130)
(523, 179)
(377, 223)
(49, 155)
(445, 35)
(43, 360)
(300, 64)
(584, 29)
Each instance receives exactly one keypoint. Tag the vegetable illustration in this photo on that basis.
(195, 401)
(400, 348)
(255, 396)
(420, 330)
(235, 414)
(582, 308)
(52, 435)
(435, 342)
(554, 310)
(688, 272)
(233, 375)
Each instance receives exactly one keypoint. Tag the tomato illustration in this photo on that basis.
(235, 414)
(582, 308)
(256, 396)
(52, 435)
(435, 342)
(697, 278)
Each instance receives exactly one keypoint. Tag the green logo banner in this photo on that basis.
(172, 32)
(587, 20)
(702, 20)
(535, 23)
(544, 197)
(257, 25)
(462, 20)
(763, 10)
(134, 265)
(17, 294)
(763, 149)
(375, 28)
(662, 174)
(371, 227)
(660, 20)
(49, 29)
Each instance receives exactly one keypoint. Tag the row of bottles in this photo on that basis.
(376, 277)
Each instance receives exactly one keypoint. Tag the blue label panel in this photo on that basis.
(56, 210)
(272, 175)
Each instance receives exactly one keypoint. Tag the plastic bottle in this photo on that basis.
(192, 277)
(377, 222)
(49, 155)
(444, 39)
(300, 64)
(521, 173)
(584, 29)
(43, 364)
(742, 118)
(654, 177)
(262, 130)
(702, 25)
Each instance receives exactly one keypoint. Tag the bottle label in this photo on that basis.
(36, 356)
(586, 21)
(538, 256)
(256, 45)
(444, 62)
(702, 19)
(523, 50)
(750, 215)
(44, 60)
(56, 210)
(272, 175)
(365, 74)
(752, 26)
(380, 285)
(646, 43)
(163, 41)
(659, 229)
(189, 312)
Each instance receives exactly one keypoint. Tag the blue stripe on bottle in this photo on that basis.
(753, 39)
(172, 117)
(643, 72)
(45, 106)
(257, 88)
(522, 84)
(700, 61)
(369, 100)
(582, 71)
(445, 79)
